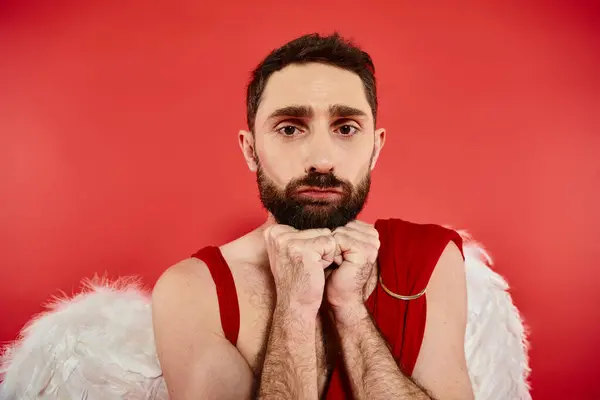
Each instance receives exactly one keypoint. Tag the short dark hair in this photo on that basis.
(332, 50)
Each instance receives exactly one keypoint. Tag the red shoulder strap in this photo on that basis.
(408, 255)
(226, 291)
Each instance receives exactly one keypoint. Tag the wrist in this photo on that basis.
(295, 317)
(301, 308)
(349, 317)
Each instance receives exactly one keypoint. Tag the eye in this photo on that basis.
(288, 130)
(347, 130)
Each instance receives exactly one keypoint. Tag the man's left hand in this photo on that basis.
(356, 254)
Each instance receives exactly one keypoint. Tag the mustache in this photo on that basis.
(321, 181)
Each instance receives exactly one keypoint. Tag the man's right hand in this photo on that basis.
(298, 260)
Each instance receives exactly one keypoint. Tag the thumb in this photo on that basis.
(338, 256)
(325, 245)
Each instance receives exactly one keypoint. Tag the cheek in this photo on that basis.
(356, 167)
(279, 166)
(358, 175)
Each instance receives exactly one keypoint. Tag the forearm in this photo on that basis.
(289, 369)
(371, 368)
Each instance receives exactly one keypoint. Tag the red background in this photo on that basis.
(118, 147)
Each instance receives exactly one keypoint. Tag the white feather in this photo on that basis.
(97, 345)
(100, 344)
(496, 345)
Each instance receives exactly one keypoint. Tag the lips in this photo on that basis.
(317, 190)
(319, 193)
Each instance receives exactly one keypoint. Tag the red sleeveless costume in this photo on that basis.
(407, 256)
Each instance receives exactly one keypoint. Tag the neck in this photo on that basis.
(269, 221)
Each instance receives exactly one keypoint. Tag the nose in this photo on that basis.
(320, 153)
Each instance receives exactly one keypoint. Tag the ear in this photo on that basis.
(246, 142)
(379, 143)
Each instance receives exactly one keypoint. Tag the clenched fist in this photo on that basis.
(357, 247)
(297, 260)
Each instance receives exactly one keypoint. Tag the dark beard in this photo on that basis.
(299, 213)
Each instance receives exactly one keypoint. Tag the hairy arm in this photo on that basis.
(441, 367)
(290, 365)
(372, 370)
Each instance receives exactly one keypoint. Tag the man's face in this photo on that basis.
(314, 146)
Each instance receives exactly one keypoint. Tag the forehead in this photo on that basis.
(316, 85)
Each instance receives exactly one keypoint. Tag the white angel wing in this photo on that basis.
(96, 345)
(495, 344)
(100, 344)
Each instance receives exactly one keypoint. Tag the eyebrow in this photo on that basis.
(342, 111)
(335, 111)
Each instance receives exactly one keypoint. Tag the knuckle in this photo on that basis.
(321, 240)
(330, 240)
(281, 241)
(358, 225)
(341, 230)
(293, 247)
(273, 231)
(324, 241)
(278, 240)
(268, 232)
(278, 229)
(372, 248)
(372, 254)
(318, 239)
(324, 231)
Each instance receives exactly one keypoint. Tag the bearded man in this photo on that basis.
(315, 303)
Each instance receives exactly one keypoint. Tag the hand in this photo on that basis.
(298, 260)
(357, 246)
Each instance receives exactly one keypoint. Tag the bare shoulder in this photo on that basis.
(189, 274)
(196, 358)
(441, 367)
(186, 292)
(447, 290)
(450, 262)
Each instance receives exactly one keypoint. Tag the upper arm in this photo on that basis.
(441, 367)
(196, 359)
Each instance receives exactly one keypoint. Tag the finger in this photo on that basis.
(350, 248)
(359, 222)
(338, 259)
(325, 246)
(280, 229)
(304, 234)
(312, 250)
(338, 256)
(282, 237)
(273, 231)
(358, 235)
(363, 227)
(345, 243)
(312, 233)
(355, 233)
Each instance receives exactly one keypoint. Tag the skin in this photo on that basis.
(281, 351)
(319, 87)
